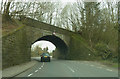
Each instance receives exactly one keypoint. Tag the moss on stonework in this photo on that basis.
(15, 47)
(79, 50)
(15, 30)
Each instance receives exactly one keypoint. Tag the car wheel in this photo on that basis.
(49, 60)
(41, 60)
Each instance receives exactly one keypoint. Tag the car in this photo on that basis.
(45, 57)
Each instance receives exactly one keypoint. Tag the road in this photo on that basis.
(69, 68)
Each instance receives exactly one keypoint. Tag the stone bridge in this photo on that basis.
(16, 46)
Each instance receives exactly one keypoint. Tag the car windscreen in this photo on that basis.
(45, 54)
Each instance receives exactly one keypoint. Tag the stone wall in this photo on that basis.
(15, 48)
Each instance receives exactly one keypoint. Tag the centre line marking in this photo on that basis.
(42, 64)
(36, 71)
(30, 74)
(108, 69)
(71, 69)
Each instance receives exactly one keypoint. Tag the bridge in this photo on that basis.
(16, 46)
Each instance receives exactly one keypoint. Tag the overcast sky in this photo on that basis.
(43, 44)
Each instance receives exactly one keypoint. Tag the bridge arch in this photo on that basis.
(61, 46)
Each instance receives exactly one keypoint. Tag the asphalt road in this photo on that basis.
(67, 68)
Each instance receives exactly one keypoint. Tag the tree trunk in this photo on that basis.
(7, 8)
(6, 16)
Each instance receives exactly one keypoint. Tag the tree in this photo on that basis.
(5, 9)
(45, 49)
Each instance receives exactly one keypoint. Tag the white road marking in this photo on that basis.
(30, 74)
(36, 71)
(42, 64)
(108, 69)
(71, 69)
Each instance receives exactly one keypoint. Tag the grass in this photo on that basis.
(84, 42)
(105, 62)
(10, 27)
(108, 63)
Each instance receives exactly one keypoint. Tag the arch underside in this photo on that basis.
(58, 42)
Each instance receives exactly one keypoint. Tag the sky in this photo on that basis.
(43, 44)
